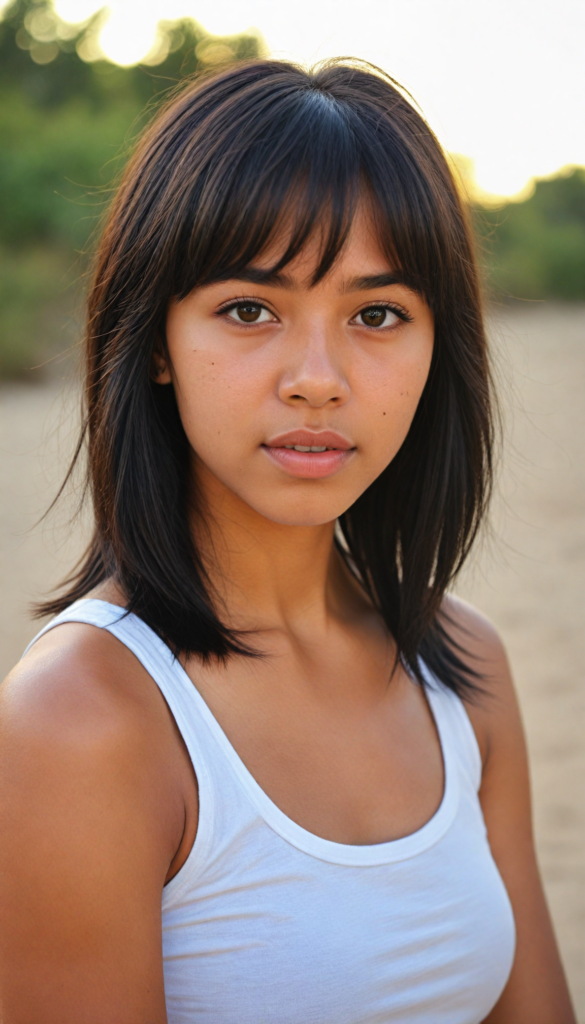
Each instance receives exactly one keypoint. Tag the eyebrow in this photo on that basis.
(256, 275)
(369, 281)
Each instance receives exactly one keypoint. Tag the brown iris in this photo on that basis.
(374, 316)
(249, 313)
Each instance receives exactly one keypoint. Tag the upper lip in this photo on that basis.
(311, 439)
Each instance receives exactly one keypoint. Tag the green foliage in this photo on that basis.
(66, 127)
(38, 305)
(56, 168)
(536, 249)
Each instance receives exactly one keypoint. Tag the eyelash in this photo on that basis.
(242, 301)
(399, 311)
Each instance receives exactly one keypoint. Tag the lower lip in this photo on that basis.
(311, 465)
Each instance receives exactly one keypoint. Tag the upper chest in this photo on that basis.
(342, 746)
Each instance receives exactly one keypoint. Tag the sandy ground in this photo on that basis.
(528, 575)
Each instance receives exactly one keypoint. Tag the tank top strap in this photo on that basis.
(155, 656)
(455, 725)
(230, 799)
(86, 610)
(204, 738)
(184, 700)
(191, 715)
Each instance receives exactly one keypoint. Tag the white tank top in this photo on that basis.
(266, 923)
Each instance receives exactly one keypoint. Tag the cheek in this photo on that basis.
(218, 398)
(390, 397)
(205, 377)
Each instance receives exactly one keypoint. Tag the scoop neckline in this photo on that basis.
(308, 842)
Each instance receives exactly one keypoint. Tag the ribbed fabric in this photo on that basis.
(267, 923)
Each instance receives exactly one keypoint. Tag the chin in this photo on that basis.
(300, 513)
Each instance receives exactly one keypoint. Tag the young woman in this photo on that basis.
(248, 769)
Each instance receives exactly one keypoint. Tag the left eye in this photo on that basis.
(377, 316)
(249, 313)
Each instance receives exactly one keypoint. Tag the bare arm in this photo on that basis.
(536, 992)
(89, 822)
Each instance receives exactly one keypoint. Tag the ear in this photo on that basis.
(159, 368)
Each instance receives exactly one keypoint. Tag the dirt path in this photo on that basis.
(530, 578)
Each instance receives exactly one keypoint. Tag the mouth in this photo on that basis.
(302, 448)
(310, 454)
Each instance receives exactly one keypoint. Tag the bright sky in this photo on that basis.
(501, 81)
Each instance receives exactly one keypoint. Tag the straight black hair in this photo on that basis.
(229, 162)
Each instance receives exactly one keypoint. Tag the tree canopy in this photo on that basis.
(67, 123)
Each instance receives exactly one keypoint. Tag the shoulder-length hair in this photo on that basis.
(229, 161)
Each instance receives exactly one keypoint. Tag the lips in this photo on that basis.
(311, 439)
(309, 464)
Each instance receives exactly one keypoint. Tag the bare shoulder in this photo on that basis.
(90, 818)
(494, 713)
(475, 632)
(78, 683)
(80, 706)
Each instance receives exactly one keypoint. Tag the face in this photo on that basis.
(295, 398)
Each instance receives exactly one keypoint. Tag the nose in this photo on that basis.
(314, 374)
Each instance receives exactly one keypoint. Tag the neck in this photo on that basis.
(268, 575)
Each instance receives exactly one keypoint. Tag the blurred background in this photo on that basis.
(502, 83)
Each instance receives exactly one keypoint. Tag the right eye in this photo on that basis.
(249, 313)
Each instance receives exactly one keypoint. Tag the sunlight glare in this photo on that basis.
(125, 39)
(76, 11)
(502, 177)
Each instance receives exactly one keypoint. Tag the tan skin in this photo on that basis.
(98, 801)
